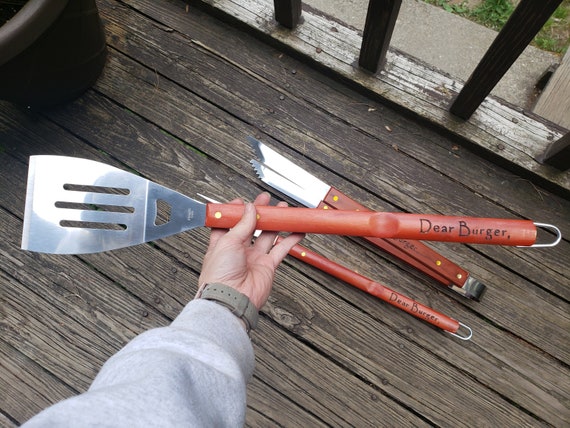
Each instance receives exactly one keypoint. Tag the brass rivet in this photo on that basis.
(335, 198)
(459, 276)
(258, 216)
(218, 214)
(438, 262)
(326, 207)
(303, 254)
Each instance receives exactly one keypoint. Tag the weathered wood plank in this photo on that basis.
(411, 85)
(558, 154)
(554, 102)
(267, 405)
(27, 388)
(332, 394)
(152, 161)
(5, 422)
(386, 358)
(209, 102)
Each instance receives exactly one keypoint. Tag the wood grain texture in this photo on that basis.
(175, 104)
(554, 103)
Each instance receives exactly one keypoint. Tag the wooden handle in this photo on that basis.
(305, 220)
(473, 230)
(392, 297)
(415, 253)
(379, 224)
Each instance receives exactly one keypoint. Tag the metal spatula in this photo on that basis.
(76, 206)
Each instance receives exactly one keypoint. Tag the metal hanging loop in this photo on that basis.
(466, 336)
(552, 228)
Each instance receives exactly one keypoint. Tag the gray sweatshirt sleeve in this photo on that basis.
(192, 373)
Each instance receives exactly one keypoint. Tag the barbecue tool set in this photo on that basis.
(77, 206)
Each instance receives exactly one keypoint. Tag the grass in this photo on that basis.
(554, 36)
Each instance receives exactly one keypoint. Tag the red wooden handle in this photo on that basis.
(379, 224)
(306, 220)
(415, 253)
(392, 297)
(473, 230)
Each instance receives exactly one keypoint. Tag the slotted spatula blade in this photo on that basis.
(77, 206)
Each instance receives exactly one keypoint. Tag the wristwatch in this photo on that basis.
(238, 303)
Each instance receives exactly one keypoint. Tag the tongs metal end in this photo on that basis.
(465, 335)
(552, 228)
(472, 289)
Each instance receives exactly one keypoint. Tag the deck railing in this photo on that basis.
(523, 25)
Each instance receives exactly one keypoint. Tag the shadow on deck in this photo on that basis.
(177, 99)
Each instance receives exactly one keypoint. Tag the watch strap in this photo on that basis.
(238, 303)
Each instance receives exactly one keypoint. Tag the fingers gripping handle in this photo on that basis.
(379, 224)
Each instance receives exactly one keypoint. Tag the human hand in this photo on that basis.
(248, 266)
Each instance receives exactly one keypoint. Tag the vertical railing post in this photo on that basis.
(525, 22)
(558, 153)
(380, 21)
(288, 12)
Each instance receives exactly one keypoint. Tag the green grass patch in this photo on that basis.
(553, 37)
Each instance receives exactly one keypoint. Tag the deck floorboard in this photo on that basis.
(179, 95)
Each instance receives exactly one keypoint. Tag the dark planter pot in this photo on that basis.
(51, 51)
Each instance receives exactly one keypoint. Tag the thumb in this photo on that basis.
(244, 229)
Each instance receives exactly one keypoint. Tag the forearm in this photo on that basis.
(192, 373)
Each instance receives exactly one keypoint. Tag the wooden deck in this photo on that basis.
(180, 94)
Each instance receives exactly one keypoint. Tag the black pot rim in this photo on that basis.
(27, 26)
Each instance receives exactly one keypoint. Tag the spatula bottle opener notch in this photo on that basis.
(76, 206)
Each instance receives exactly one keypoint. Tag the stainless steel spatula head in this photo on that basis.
(76, 206)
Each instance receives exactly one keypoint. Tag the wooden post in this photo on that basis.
(380, 21)
(288, 12)
(525, 22)
(557, 154)
(554, 102)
